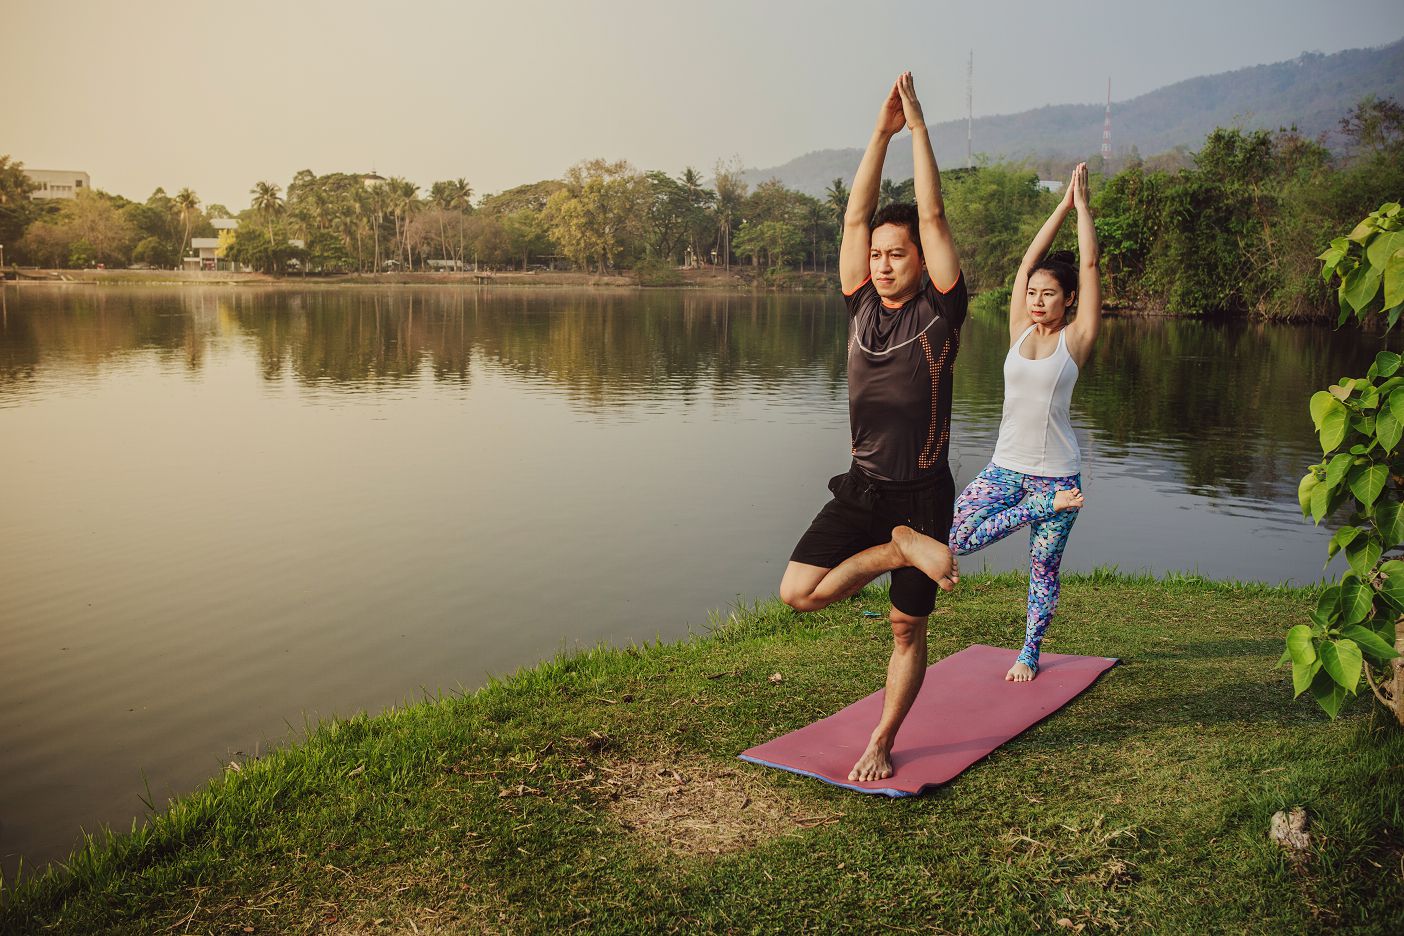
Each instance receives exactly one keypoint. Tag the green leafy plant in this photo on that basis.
(1360, 423)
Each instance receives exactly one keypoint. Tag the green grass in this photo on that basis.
(552, 799)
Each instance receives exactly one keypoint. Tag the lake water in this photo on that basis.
(230, 511)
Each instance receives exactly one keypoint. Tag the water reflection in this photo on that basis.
(1223, 402)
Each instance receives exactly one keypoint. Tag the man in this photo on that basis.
(892, 511)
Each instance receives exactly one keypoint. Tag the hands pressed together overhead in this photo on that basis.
(900, 108)
(1076, 194)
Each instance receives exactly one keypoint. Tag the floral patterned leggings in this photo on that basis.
(997, 503)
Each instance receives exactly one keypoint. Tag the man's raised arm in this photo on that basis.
(937, 245)
(862, 199)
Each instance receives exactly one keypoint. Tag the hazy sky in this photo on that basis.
(217, 96)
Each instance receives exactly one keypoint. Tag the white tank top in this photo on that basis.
(1035, 434)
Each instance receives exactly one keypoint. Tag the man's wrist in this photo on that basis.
(917, 127)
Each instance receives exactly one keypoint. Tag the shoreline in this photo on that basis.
(600, 789)
(707, 281)
(685, 279)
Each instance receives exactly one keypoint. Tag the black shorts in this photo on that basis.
(862, 515)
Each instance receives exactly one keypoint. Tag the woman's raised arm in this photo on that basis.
(1088, 322)
(1018, 301)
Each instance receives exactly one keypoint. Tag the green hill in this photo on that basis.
(1312, 91)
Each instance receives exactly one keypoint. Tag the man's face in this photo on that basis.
(894, 263)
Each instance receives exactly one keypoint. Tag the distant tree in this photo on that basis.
(779, 241)
(527, 233)
(731, 192)
(836, 198)
(91, 228)
(155, 252)
(268, 202)
(699, 201)
(17, 210)
(599, 212)
(1375, 126)
(186, 202)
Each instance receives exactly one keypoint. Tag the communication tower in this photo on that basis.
(969, 108)
(1106, 126)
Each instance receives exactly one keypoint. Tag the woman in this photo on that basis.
(1034, 477)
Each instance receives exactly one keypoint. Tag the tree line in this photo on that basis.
(1233, 228)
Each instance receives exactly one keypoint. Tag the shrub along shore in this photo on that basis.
(601, 790)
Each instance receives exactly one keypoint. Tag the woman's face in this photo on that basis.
(1045, 300)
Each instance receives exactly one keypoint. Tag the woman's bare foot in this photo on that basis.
(875, 764)
(1020, 672)
(929, 555)
(1067, 500)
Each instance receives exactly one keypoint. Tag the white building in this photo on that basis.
(58, 183)
(209, 251)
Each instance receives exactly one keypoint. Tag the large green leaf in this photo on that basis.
(1327, 693)
(1337, 467)
(1392, 590)
(1300, 646)
(1366, 483)
(1362, 554)
(1321, 403)
(1383, 627)
(1341, 660)
(1329, 604)
(1386, 363)
(1302, 675)
(1361, 286)
(1389, 520)
(1370, 643)
(1396, 405)
(1357, 597)
(1340, 540)
(1320, 502)
(1394, 280)
(1304, 489)
(1383, 247)
(1362, 231)
(1388, 429)
(1333, 427)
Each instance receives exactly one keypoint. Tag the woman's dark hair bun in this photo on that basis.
(1062, 256)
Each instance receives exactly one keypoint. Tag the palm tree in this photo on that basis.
(888, 192)
(267, 202)
(402, 202)
(187, 202)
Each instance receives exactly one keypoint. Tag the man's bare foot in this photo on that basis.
(1065, 500)
(1020, 672)
(875, 764)
(929, 555)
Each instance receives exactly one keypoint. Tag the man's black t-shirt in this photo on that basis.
(899, 379)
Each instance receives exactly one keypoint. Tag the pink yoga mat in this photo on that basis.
(964, 711)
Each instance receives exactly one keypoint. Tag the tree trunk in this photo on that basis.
(1389, 688)
(1396, 667)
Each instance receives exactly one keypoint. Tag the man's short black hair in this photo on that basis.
(904, 213)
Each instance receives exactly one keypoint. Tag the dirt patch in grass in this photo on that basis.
(695, 807)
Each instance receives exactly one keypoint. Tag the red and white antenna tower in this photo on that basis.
(1106, 126)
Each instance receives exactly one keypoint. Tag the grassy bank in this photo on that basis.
(602, 792)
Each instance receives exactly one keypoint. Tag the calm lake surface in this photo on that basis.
(228, 512)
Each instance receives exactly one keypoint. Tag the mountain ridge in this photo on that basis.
(1312, 91)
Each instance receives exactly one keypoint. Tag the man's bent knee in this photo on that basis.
(798, 584)
(907, 630)
(800, 601)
